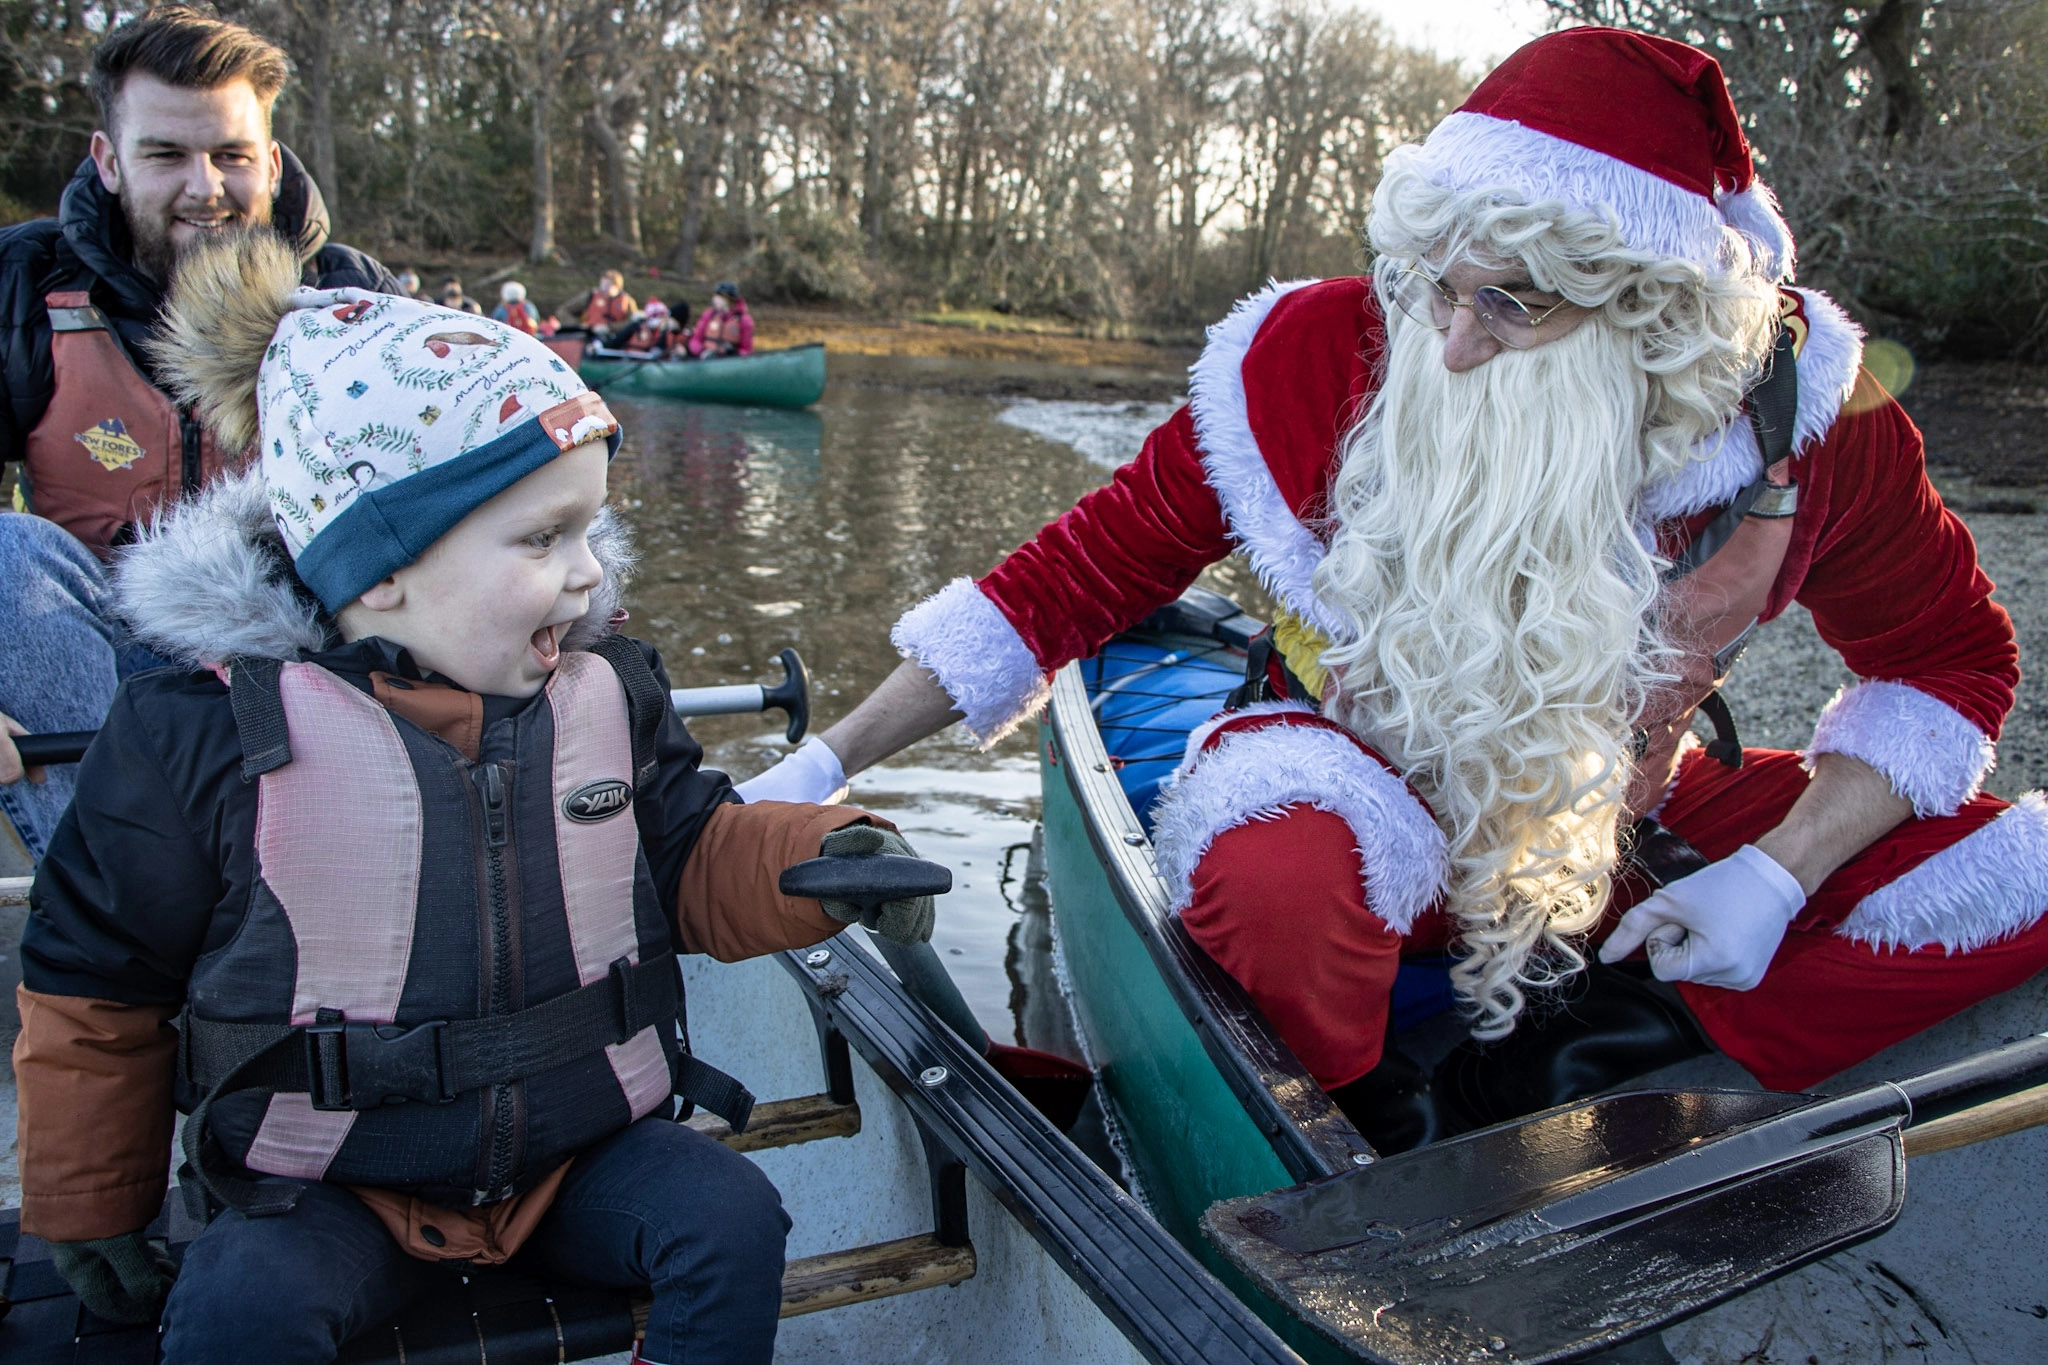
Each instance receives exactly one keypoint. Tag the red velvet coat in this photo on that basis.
(1890, 575)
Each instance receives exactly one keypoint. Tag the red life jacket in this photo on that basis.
(111, 447)
(520, 316)
(721, 331)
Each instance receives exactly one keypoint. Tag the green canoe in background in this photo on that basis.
(792, 378)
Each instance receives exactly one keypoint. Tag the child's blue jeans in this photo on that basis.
(658, 1205)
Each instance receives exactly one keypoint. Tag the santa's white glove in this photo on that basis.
(810, 774)
(1718, 927)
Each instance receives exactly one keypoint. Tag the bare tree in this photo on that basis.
(1907, 140)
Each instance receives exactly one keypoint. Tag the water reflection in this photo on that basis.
(760, 529)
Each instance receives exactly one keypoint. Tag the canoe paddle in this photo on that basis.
(791, 696)
(1580, 1228)
(1055, 1086)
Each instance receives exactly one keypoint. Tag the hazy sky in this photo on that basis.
(1476, 30)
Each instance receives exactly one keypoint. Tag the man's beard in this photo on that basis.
(1486, 561)
(153, 248)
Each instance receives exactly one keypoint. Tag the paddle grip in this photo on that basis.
(792, 696)
(1977, 1079)
(866, 881)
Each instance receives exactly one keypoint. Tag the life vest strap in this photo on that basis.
(1773, 414)
(256, 692)
(342, 1064)
(646, 702)
(351, 1064)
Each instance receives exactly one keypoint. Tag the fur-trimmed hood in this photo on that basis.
(210, 581)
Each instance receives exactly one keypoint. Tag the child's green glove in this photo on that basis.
(123, 1279)
(906, 921)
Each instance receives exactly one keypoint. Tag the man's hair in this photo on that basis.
(614, 276)
(189, 49)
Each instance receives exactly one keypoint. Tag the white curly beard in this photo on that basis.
(1499, 644)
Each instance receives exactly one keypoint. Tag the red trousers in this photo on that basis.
(1283, 904)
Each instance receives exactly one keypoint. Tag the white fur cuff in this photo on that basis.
(1979, 891)
(977, 656)
(1926, 749)
(1254, 774)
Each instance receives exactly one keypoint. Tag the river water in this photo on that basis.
(762, 529)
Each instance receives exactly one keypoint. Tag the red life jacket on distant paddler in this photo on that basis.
(111, 447)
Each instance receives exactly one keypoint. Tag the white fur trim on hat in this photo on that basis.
(1254, 774)
(977, 656)
(1828, 365)
(1978, 891)
(1470, 151)
(1282, 551)
(1930, 752)
(1754, 212)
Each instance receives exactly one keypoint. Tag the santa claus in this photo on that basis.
(1522, 494)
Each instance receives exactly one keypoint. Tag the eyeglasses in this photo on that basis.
(1506, 318)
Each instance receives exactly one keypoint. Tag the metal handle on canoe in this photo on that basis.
(792, 696)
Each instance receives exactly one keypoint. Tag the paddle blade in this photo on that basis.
(1441, 1254)
(1056, 1087)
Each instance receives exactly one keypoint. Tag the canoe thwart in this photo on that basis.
(863, 1274)
(2013, 1114)
(784, 1123)
(813, 1284)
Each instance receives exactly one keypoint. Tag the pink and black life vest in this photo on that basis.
(451, 976)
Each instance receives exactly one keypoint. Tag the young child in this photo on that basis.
(411, 823)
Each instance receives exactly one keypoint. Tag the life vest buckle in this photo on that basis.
(358, 1065)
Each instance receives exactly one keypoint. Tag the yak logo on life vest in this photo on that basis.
(597, 800)
(110, 444)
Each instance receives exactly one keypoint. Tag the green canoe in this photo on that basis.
(1210, 1104)
(792, 378)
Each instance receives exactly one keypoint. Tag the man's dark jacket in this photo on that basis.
(87, 246)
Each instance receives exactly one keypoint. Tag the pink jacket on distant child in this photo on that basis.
(727, 333)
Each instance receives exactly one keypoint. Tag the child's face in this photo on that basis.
(488, 603)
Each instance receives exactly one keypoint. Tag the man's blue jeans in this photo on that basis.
(63, 657)
(659, 1205)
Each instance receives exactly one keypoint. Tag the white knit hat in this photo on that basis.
(384, 421)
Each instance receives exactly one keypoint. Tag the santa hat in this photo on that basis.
(380, 422)
(1618, 122)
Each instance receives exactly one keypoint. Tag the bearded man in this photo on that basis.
(183, 151)
(1521, 495)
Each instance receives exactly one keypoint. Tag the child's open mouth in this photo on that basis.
(547, 644)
